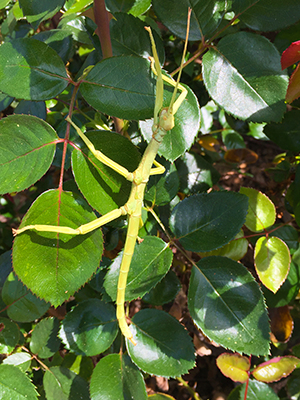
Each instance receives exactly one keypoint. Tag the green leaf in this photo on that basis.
(234, 366)
(272, 262)
(165, 291)
(206, 222)
(261, 211)
(44, 341)
(119, 5)
(238, 74)
(14, 384)
(104, 188)
(27, 151)
(5, 100)
(82, 366)
(129, 37)
(37, 11)
(89, 328)
(236, 249)
(195, 173)
(163, 347)
(206, 16)
(256, 391)
(9, 335)
(120, 86)
(275, 369)
(21, 360)
(59, 40)
(151, 261)
(116, 377)
(23, 305)
(5, 267)
(54, 266)
(267, 15)
(31, 70)
(226, 304)
(161, 189)
(187, 123)
(36, 108)
(63, 384)
(286, 134)
(140, 7)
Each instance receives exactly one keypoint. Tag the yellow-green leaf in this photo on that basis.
(261, 210)
(275, 369)
(234, 366)
(272, 262)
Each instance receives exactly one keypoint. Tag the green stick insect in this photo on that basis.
(163, 122)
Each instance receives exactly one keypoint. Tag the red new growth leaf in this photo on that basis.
(293, 90)
(291, 55)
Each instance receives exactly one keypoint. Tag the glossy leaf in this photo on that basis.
(206, 16)
(163, 347)
(151, 261)
(226, 304)
(238, 74)
(23, 305)
(90, 328)
(256, 390)
(261, 210)
(31, 70)
(275, 369)
(52, 265)
(236, 249)
(116, 377)
(104, 188)
(37, 11)
(63, 384)
(129, 37)
(165, 291)
(26, 142)
(267, 15)
(44, 341)
(120, 86)
(272, 262)
(9, 335)
(14, 384)
(187, 123)
(21, 360)
(201, 222)
(286, 134)
(234, 366)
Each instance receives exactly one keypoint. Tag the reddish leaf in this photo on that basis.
(275, 369)
(282, 324)
(291, 55)
(293, 90)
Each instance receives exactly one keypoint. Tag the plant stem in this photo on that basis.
(190, 390)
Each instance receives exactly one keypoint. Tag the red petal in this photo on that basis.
(291, 55)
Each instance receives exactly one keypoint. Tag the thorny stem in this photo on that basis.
(190, 390)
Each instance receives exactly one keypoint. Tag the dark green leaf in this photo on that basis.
(31, 70)
(23, 305)
(206, 16)
(27, 151)
(226, 304)
(52, 265)
(129, 37)
(116, 377)
(5, 101)
(14, 384)
(165, 291)
(286, 134)
(187, 123)
(5, 267)
(44, 341)
(104, 188)
(90, 328)
(61, 383)
(161, 189)
(37, 11)
(163, 347)
(120, 86)
(9, 335)
(150, 262)
(238, 74)
(36, 108)
(119, 5)
(267, 15)
(59, 40)
(206, 222)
